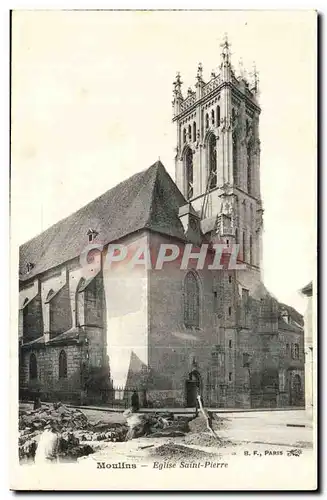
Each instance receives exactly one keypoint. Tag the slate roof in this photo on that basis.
(147, 200)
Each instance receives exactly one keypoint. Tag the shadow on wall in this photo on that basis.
(143, 377)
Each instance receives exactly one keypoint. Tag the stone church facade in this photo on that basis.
(87, 326)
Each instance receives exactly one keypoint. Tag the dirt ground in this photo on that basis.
(237, 434)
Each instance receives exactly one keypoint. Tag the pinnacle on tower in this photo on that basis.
(226, 52)
(255, 79)
(241, 68)
(199, 72)
(177, 84)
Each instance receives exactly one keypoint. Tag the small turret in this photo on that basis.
(199, 81)
(255, 81)
(225, 65)
(177, 94)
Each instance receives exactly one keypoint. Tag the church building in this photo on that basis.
(93, 324)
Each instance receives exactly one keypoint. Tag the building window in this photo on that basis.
(30, 266)
(230, 376)
(230, 344)
(212, 117)
(229, 279)
(235, 172)
(246, 360)
(194, 132)
(245, 295)
(229, 311)
(296, 351)
(244, 247)
(202, 122)
(247, 128)
(184, 135)
(92, 234)
(207, 120)
(212, 150)
(236, 236)
(189, 133)
(218, 115)
(249, 171)
(287, 349)
(191, 301)
(215, 300)
(62, 365)
(251, 250)
(233, 117)
(33, 367)
(189, 173)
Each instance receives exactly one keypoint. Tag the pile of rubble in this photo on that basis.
(156, 425)
(72, 435)
(75, 434)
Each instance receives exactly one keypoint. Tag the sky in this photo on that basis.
(91, 106)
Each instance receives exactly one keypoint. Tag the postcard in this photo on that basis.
(163, 250)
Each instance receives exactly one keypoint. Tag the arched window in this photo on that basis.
(184, 135)
(212, 153)
(189, 173)
(233, 117)
(207, 120)
(194, 131)
(191, 301)
(249, 170)
(218, 116)
(202, 122)
(251, 250)
(25, 316)
(247, 127)
(235, 159)
(212, 117)
(33, 367)
(244, 247)
(189, 132)
(62, 365)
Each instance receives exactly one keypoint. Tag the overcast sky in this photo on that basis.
(91, 105)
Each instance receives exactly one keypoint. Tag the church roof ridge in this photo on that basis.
(147, 200)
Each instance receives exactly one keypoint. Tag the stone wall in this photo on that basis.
(51, 386)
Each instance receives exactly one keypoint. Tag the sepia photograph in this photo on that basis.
(163, 250)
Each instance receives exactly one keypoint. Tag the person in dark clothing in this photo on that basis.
(37, 401)
(135, 401)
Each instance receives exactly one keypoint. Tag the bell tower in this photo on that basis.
(217, 163)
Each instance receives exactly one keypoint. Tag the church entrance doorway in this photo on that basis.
(193, 388)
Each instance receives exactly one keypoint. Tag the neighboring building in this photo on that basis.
(308, 347)
(167, 331)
